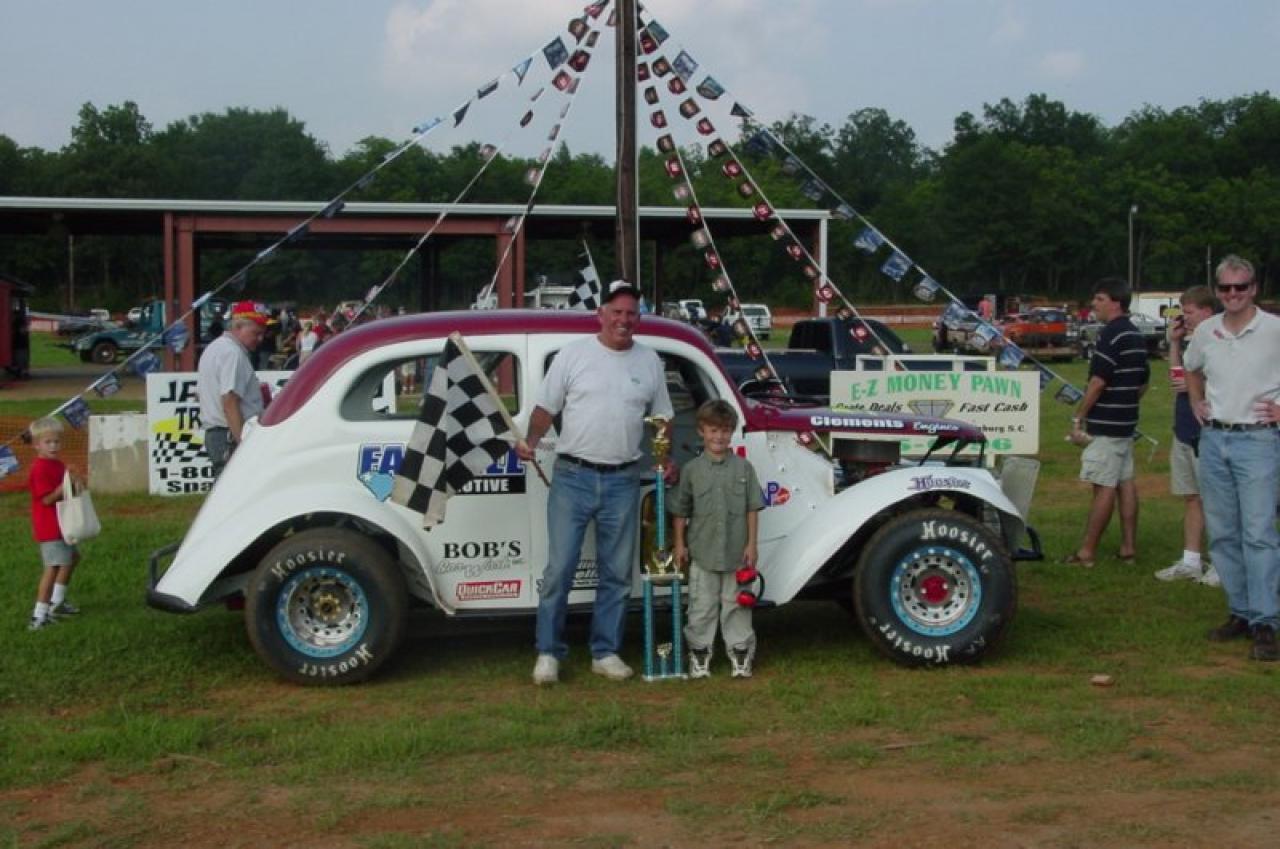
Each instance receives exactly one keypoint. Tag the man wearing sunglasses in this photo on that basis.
(1233, 380)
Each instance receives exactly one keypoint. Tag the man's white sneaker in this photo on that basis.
(611, 667)
(546, 670)
(1210, 578)
(741, 663)
(700, 663)
(1179, 571)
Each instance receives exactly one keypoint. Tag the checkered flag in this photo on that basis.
(462, 430)
(586, 295)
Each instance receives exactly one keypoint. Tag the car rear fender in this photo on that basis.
(210, 550)
(792, 561)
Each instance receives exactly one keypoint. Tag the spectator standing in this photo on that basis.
(1197, 304)
(1107, 420)
(1233, 379)
(717, 506)
(228, 388)
(602, 387)
(58, 557)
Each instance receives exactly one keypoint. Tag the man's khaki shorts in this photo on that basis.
(1184, 478)
(1107, 461)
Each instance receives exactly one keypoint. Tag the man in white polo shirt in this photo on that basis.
(602, 387)
(1233, 380)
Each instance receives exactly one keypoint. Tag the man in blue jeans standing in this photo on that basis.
(602, 387)
(1233, 380)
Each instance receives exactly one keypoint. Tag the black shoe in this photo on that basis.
(1264, 644)
(1233, 629)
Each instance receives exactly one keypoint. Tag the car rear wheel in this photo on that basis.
(326, 606)
(934, 587)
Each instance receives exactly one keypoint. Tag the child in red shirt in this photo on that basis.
(60, 559)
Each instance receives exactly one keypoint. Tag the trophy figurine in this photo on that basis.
(665, 661)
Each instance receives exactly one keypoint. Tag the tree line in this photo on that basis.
(1027, 197)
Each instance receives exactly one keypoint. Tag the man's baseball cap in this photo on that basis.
(250, 310)
(620, 287)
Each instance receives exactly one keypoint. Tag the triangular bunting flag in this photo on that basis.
(76, 413)
(868, 241)
(740, 111)
(555, 53)
(461, 113)
(710, 89)
(521, 68)
(896, 266)
(685, 66)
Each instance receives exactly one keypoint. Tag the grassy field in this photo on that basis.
(129, 727)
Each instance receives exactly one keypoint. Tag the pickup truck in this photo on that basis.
(817, 347)
(108, 344)
(299, 530)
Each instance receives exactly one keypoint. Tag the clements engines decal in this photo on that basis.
(379, 462)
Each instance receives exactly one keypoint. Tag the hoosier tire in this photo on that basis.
(326, 607)
(934, 587)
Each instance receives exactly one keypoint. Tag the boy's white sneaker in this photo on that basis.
(546, 670)
(741, 661)
(65, 608)
(41, 624)
(700, 663)
(1210, 578)
(611, 667)
(1179, 571)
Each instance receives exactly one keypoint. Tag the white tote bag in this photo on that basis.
(76, 516)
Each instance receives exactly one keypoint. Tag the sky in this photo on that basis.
(350, 69)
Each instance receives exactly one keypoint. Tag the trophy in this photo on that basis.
(665, 661)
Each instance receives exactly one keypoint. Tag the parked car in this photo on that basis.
(1046, 333)
(300, 528)
(1153, 332)
(757, 316)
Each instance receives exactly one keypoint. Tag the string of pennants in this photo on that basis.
(566, 65)
(669, 78)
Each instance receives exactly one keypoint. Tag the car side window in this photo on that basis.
(393, 389)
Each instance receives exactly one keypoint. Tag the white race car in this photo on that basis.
(299, 527)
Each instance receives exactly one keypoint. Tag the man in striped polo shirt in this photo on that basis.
(1107, 419)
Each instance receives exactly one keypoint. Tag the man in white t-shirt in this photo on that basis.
(602, 388)
(228, 387)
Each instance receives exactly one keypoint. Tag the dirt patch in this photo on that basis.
(1165, 790)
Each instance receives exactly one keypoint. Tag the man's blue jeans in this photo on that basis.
(1239, 472)
(579, 495)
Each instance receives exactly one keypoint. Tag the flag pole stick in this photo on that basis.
(457, 339)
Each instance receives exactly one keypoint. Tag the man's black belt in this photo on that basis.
(596, 467)
(1239, 426)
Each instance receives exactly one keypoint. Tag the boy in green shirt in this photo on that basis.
(716, 505)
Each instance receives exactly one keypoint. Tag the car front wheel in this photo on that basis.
(326, 607)
(934, 587)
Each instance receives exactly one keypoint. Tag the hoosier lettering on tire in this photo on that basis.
(934, 587)
(326, 607)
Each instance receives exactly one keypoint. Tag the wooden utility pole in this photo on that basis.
(627, 226)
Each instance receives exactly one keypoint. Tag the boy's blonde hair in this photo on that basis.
(717, 414)
(42, 427)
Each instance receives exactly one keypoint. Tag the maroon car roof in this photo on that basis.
(337, 351)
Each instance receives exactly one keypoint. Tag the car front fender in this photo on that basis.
(793, 560)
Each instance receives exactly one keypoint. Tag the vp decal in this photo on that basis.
(775, 494)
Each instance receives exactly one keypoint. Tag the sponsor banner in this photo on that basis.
(1004, 404)
(176, 462)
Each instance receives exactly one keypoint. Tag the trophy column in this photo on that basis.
(662, 661)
